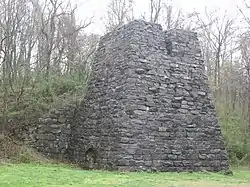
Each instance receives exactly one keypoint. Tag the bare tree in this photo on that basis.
(217, 33)
(119, 12)
(244, 45)
(163, 12)
(245, 53)
(155, 10)
(14, 41)
(38, 40)
(177, 19)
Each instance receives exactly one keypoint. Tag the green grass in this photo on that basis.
(32, 175)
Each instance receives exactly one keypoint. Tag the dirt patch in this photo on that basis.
(12, 151)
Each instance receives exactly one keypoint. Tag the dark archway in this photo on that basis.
(90, 158)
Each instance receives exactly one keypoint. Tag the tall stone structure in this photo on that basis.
(149, 106)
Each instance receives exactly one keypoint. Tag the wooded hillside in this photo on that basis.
(46, 56)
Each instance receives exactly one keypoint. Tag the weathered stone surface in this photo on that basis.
(51, 134)
(161, 114)
(148, 107)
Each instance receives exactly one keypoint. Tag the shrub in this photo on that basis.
(234, 129)
(45, 95)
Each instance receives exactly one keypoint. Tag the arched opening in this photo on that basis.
(90, 158)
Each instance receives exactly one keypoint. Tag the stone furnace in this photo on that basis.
(149, 106)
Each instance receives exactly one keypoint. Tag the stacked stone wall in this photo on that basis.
(148, 107)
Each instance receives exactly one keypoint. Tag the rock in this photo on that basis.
(202, 93)
(2, 137)
(178, 98)
(140, 71)
(228, 173)
(154, 89)
(162, 129)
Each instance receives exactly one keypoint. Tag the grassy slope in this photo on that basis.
(30, 175)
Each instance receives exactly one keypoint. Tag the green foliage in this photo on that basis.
(45, 94)
(234, 129)
(30, 175)
(58, 86)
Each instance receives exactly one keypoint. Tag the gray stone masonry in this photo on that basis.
(148, 108)
(149, 105)
(51, 134)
